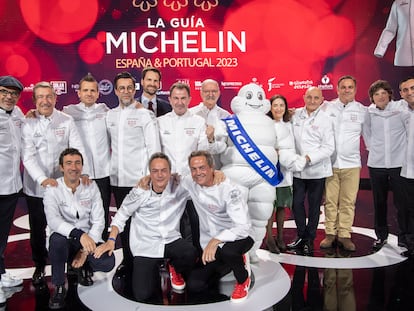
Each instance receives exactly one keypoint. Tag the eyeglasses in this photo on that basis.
(13, 94)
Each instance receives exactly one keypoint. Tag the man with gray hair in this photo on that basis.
(43, 139)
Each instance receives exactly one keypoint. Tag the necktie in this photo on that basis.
(150, 106)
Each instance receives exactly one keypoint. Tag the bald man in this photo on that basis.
(314, 139)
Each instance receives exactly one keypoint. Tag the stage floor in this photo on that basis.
(328, 280)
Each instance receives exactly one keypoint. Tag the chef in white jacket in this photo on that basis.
(386, 140)
(90, 119)
(44, 137)
(314, 139)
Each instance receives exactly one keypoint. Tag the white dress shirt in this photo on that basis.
(10, 151)
(91, 124)
(314, 137)
(134, 138)
(44, 139)
(386, 137)
(222, 210)
(181, 135)
(155, 218)
(348, 121)
(82, 210)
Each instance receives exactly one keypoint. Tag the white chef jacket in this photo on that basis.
(134, 138)
(407, 169)
(82, 210)
(210, 116)
(44, 139)
(314, 137)
(400, 23)
(348, 121)
(91, 124)
(386, 137)
(213, 117)
(181, 135)
(10, 151)
(222, 210)
(155, 218)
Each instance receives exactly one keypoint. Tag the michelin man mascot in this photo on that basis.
(250, 157)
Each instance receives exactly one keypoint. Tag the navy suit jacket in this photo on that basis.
(163, 106)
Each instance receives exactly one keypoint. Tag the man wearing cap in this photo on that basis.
(11, 118)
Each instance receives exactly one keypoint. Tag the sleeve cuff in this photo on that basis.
(76, 234)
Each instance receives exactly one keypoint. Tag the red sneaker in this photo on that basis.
(177, 281)
(241, 291)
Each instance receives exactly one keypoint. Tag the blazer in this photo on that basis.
(163, 106)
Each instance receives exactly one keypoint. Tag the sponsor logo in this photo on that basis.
(300, 84)
(271, 84)
(105, 87)
(325, 83)
(60, 87)
(231, 85)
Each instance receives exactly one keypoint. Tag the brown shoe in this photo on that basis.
(346, 244)
(271, 245)
(328, 241)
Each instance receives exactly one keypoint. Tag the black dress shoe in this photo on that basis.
(308, 247)
(298, 243)
(409, 253)
(122, 271)
(38, 277)
(378, 244)
(85, 276)
(57, 301)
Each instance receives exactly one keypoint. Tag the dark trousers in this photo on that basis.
(383, 180)
(63, 250)
(119, 194)
(7, 208)
(313, 189)
(146, 278)
(409, 205)
(190, 226)
(228, 258)
(37, 222)
(105, 189)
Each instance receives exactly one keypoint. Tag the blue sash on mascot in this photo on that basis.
(251, 153)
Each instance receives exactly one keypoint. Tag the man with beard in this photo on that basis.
(150, 81)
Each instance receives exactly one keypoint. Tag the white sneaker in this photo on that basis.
(2, 297)
(8, 280)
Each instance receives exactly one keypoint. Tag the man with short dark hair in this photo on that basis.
(75, 219)
(90, 119)
(151, 82)
(11, 119)
(407, 170)
(341, 189)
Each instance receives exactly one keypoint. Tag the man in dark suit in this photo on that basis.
(150, 81)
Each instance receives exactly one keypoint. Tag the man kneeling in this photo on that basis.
(155, 233)
(75, 219)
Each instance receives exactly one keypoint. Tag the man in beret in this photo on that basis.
(11, 118)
